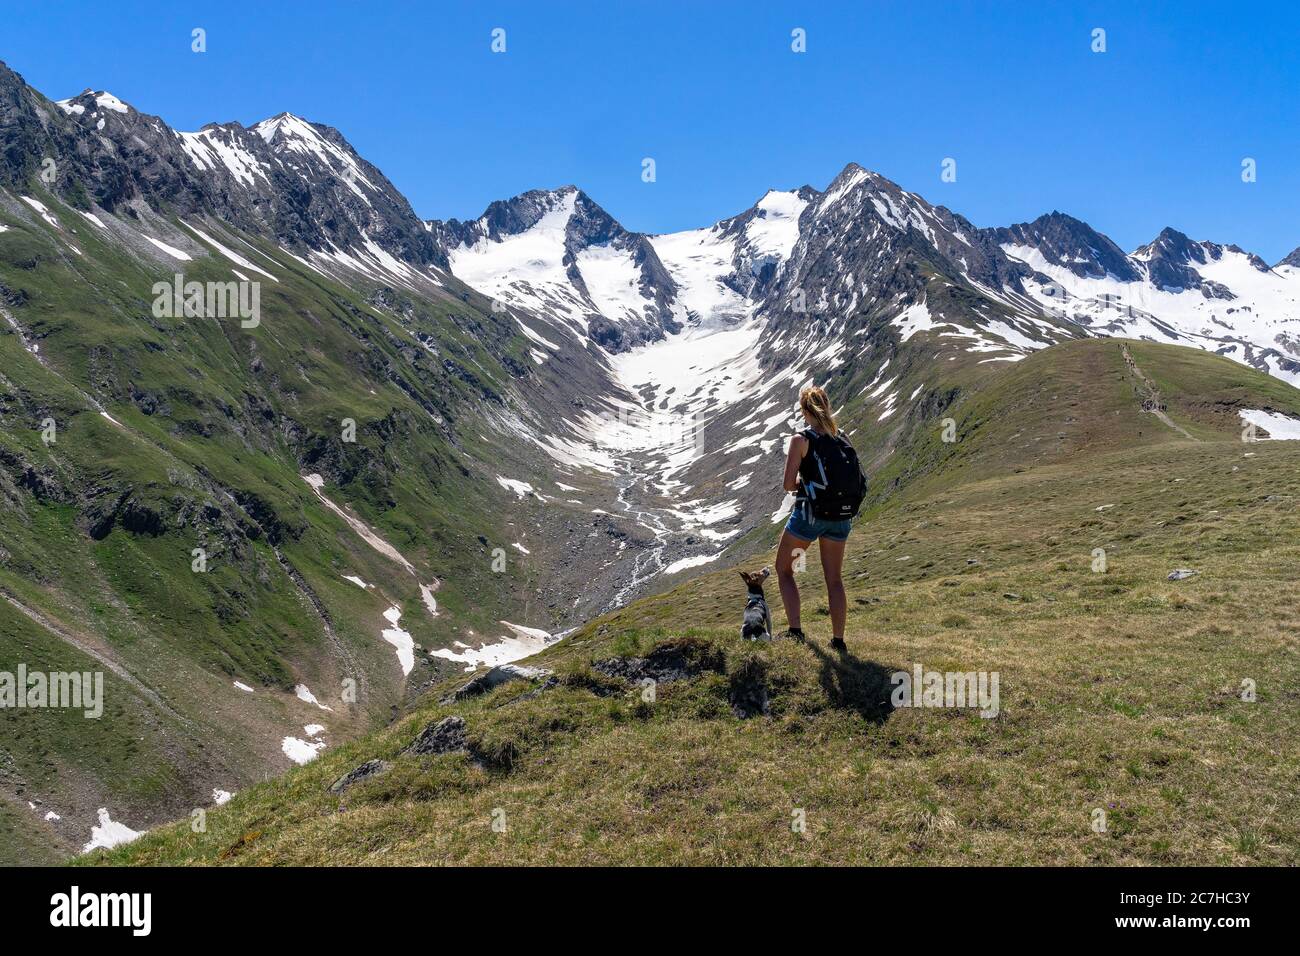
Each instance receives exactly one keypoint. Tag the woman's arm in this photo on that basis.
(798, 448)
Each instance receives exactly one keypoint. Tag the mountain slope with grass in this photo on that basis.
(267, 535)
(135, 446)
(1122, 693)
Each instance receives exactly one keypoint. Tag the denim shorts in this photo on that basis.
(806, 527)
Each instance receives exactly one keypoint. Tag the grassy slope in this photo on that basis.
(1119, 690)
(228, 403)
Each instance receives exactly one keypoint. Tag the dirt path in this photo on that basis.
(1150, 395)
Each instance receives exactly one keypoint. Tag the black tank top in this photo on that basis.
(808, 466)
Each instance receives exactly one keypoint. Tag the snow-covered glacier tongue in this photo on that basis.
(682, 413)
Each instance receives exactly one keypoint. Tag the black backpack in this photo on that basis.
(833, 480)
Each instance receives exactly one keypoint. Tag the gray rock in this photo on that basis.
(663, 665)
(371, 768)
(1180, 574)
(494, 678)
(445, 736)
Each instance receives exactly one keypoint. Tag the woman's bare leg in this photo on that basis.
(785, 558)
(832, 566)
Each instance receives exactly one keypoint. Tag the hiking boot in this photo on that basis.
(795, 633)
(837, 644)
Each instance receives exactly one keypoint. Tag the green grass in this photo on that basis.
(220, 424)
(1120, 691)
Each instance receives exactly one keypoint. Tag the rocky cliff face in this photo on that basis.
(294, 182)
(1171, 260)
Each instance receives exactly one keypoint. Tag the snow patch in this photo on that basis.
(304, 694)
(229, 254)
(301, 751)
(400, 639)
(170, 250)
(39, 206)
(107, 101)
(526, 642)
(109, 833)
(1279, 426)
(683, 563)
(521, 488)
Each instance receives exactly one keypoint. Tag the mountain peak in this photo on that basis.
(284, 125)
(96, 100)
(1069, 243)
(1171, 237)
(1171, 245)
(1171, 260)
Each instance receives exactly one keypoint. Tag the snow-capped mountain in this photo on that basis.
(723, 270)
(297, 183)
(1174, 289)
(870, 251)
(559, 255)
(1071, 244)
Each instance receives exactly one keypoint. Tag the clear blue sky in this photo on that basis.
(1148, 134)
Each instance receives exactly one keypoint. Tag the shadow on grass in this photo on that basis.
(851, 683)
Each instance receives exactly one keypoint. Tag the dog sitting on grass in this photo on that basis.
(757, 624)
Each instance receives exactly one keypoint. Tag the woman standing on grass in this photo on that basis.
(805, 475)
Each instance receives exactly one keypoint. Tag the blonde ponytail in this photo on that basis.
(816, 404)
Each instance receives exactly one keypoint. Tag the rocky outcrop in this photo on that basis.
(494, 678)
(672, 661)
(367, 771)
(444, 736)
